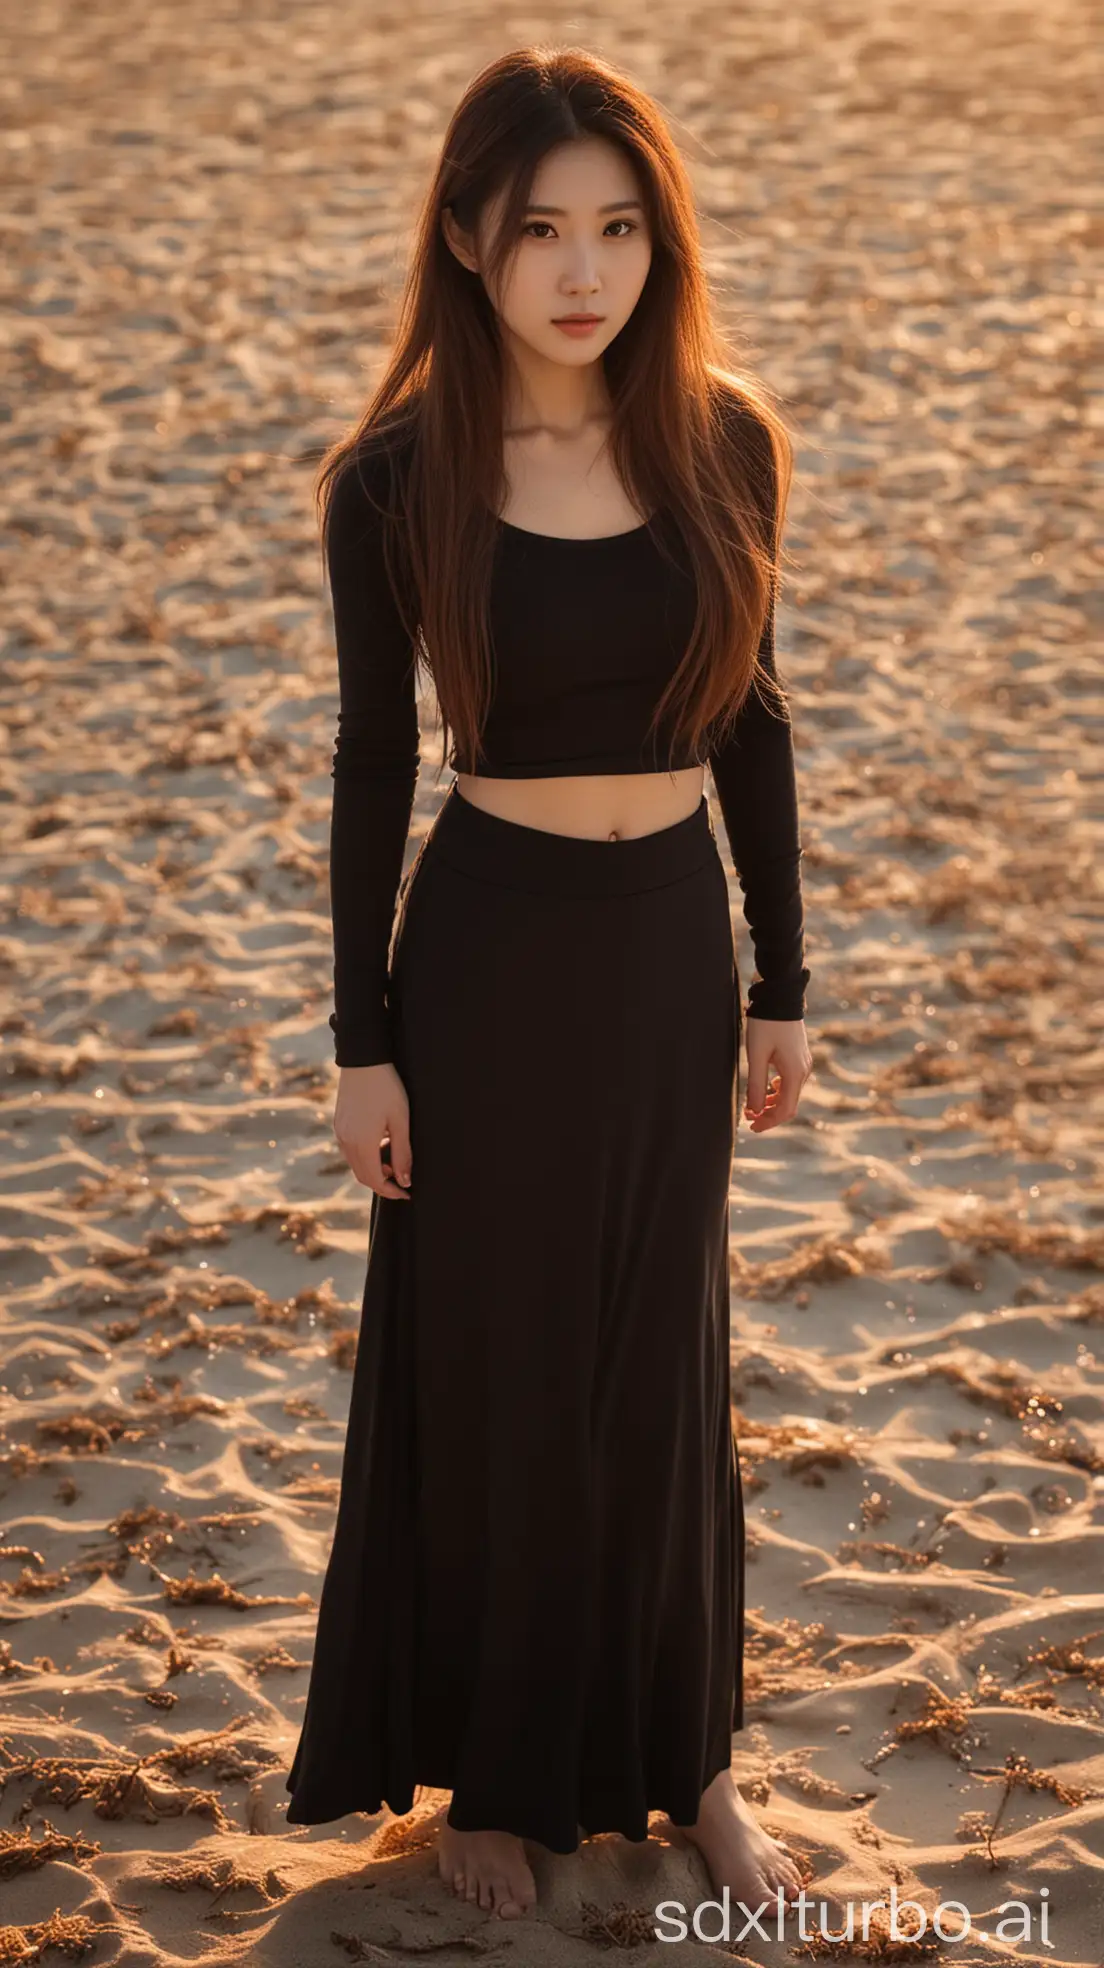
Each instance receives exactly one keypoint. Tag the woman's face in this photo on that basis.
(584, 249)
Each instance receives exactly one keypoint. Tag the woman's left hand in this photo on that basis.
(783, 1044)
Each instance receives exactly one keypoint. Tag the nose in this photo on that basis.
(583, 281)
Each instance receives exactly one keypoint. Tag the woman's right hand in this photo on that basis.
(372, 1104)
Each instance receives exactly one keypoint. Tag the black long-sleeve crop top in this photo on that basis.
(585, 633)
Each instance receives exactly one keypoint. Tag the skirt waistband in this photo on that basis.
(483, 844)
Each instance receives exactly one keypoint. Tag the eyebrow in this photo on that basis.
(557, 211)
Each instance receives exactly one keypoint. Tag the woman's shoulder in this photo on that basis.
(740, 417)
(380, 453)
(367, 481)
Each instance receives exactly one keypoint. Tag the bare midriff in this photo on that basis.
(601, 806)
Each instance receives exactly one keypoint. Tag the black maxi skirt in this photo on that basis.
(535, 1596)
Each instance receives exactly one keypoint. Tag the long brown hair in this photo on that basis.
(673, 385)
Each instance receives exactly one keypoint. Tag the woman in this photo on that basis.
(535, 1593)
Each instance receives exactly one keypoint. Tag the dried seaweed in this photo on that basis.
(826, 1260)
(68, 1934)
(143, 1787)
(903, 1557)
(618, 1925)
(361, 1950)
(1018, 1773)
(20, 1851)
(219, 1876)
(879, 1945)
(277, 1660)
(944, 1719)
(1068, 1657)
(215, 1591)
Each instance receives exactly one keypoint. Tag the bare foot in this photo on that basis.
(736, 1849)
(487, 1868)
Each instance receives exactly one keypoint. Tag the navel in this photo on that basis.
(614, 836)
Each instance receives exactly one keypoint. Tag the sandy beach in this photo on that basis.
(207, 212)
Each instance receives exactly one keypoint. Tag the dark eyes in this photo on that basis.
(547, 222)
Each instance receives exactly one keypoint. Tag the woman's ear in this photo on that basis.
(459, 242)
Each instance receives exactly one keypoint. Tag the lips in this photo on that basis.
(580, 318)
